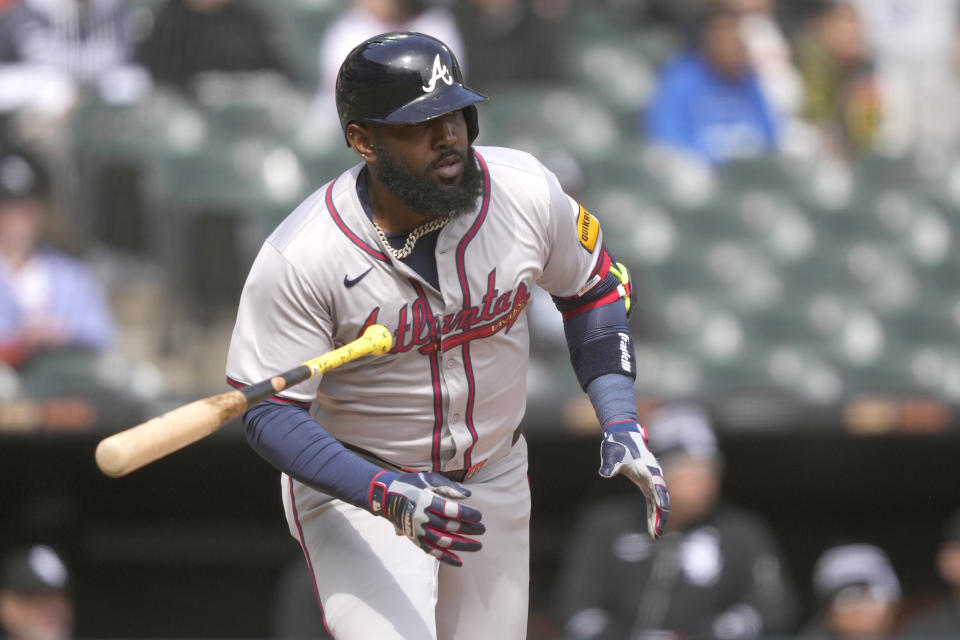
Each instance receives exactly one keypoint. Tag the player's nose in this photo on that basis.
(447, 129)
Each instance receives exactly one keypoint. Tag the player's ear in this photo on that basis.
(361, 139)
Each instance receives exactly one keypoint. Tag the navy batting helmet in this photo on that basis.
(403, 78)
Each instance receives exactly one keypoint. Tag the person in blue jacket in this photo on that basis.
(708, 101)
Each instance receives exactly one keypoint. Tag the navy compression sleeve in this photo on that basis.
(601, 352)
(600, 343)
(613, 399)
(292, 441)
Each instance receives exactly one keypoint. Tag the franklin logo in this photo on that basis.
(440, 72)
(625, 352)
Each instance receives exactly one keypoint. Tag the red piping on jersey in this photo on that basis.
(299, 403)
(468, 413)
(603, 264)
(306, 554)
(437, 409)
(465, 288)
(346, 230)
(469, 236)
(600, 272)
(434, 358)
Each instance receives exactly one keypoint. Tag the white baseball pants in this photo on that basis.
(372, 583)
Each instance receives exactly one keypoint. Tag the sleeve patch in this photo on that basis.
(588, 229)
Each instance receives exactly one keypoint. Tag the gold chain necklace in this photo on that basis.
(412, 237)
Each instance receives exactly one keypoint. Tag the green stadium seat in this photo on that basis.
(250, 104)
(613, 68)
(934, 368)
(300, 25)
(770, 172)
(897, 172)
(636, 229)
(537, 118)
(162, 123)
(668, 371)
(777, 225)
(802, 371)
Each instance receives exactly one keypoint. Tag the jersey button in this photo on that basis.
(455, 418)
(451, 363)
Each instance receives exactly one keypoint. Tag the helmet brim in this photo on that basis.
(433, 105)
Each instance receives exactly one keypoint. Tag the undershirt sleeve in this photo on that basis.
(288, 438)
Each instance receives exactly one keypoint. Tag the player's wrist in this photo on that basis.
(620, 426)
(377, 493)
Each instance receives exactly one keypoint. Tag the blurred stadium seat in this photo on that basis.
(810, 278)
(299, 24)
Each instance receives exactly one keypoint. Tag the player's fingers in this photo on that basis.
(658, 509)
(454, 511)
(656, 520)
(445, 540)
(443, 555)
(451, 559)
(662, 496)
(445, 487)
(461, 527)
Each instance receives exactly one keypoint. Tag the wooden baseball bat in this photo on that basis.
(128, 450)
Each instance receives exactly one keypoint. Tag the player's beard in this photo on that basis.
(424, 194)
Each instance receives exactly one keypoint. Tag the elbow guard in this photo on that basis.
(596, 328)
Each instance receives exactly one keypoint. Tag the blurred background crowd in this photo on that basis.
(782, 177)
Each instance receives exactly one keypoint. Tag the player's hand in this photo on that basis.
(421, 507)
(624, 451)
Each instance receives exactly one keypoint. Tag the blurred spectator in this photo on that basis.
(190, 37)
(675, 15)
(35, 600)
(511, 41)
(366, 18)
(716, 573)
(913, 44)
(48, 300)
(842, 98)
(50, 49)
(771, 56)
(944, 620)
(909, 33)
(708, 102)
(858, 593)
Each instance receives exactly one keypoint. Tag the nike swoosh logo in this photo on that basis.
(349, 282)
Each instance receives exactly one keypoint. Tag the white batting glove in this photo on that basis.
(624, 451)
(421, 507)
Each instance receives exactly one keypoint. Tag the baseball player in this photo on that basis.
(404, 476)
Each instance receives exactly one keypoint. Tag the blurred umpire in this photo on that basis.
(35, 599)
(716, 573)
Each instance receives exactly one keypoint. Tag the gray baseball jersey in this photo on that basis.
(452, 390)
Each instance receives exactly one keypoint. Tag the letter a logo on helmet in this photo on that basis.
(403, 77)
(440, 72)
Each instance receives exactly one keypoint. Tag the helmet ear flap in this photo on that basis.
(472, 117)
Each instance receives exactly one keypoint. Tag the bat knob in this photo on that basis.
(380, 337)
(110, 458)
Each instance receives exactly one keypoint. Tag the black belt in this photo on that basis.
(458, 475)
(462, 474)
